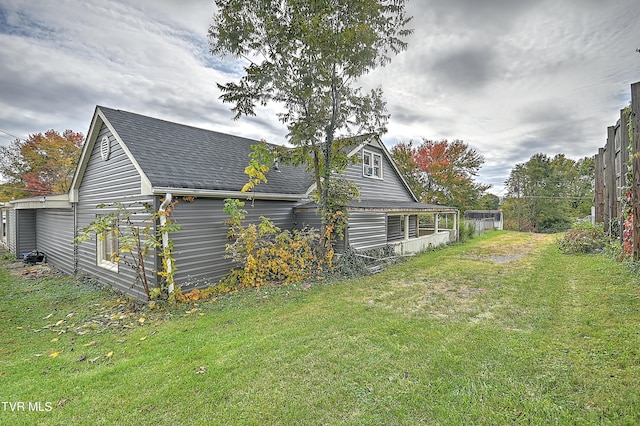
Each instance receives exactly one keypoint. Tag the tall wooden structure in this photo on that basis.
(635, 189)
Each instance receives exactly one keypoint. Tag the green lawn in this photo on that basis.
(501, 330)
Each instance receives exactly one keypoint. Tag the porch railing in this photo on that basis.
(424, 242)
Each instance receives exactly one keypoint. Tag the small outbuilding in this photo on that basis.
(485, 219)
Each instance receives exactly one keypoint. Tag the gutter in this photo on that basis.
(165, 239)
(226, 194)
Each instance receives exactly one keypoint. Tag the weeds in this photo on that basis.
(583, 238)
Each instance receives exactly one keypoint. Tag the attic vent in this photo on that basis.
(105, 148)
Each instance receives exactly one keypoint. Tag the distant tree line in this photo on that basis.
(546, 194)
(42, 164)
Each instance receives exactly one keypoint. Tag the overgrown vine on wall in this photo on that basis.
(139, 236)
(627, 209)
(334, 218)
(266, 254)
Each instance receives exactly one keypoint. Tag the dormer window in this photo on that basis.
(371, 164)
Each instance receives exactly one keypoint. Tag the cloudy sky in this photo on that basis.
(509, 77)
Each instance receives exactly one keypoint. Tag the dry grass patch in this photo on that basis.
(510, 248)
(461, 283)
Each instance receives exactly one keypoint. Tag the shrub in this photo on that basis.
(358, 263)
(267, 255)
(583, 238)
(466, 230)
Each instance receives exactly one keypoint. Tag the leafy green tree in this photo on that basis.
(489, 202)
(442, 172)
(42, 164)
(547, 193)
(307, 55)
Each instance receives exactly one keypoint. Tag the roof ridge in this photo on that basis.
(174, 123)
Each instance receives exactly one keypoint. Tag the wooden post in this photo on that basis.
(624, 149)
(624, 167)
(406, 227)
(611, 140)
(599, 192)
(455, 225)
(635, 124)
(610, 179)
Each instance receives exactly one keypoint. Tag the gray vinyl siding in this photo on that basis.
(199, 246)
(54, 236)
(310, 218)
(307, 217)
(394, 227)
(106, 182)
(26, 231)
(390, 187)
(367, 230)
(413, 226)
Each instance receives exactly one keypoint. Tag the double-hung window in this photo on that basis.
(371, 164)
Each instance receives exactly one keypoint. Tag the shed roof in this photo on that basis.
(174, 155)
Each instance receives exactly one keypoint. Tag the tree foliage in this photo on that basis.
(265, 254)
(546, 193)
(307, 55)
(43, 164)
(441, 172)
(139, 234)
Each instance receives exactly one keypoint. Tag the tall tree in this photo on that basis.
(42, 164)
(442, 172)
(547, 193)
(307, 55)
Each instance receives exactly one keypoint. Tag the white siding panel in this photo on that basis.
(11, 231)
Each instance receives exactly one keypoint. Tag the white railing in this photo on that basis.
(416, 245)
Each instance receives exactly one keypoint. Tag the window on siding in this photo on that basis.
(107, 250)
(371, 164)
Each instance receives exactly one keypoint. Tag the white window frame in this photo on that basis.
(106, 250)
(369, 168)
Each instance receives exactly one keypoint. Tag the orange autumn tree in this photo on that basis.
(43, 164)
(441, 172)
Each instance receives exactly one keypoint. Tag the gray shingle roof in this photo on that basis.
(385, 205)
(179, 156)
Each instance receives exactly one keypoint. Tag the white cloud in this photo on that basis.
(511, 78)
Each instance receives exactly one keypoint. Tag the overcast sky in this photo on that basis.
(509, 77)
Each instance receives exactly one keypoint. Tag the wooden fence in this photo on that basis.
(613, 179)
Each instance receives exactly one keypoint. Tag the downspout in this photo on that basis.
(165, 240)
(75, 236)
